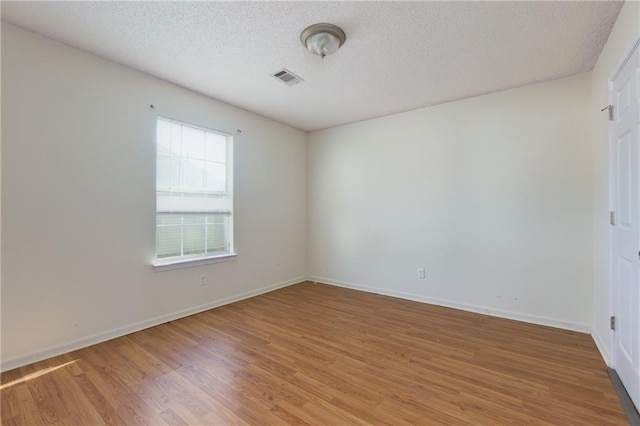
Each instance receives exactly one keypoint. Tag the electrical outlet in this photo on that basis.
(203, 279)
(422, 274)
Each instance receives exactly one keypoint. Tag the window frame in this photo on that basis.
(190, 260)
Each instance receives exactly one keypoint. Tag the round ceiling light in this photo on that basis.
(322, 39)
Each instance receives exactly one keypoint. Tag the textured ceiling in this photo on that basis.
(398, 55)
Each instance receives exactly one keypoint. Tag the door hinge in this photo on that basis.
(610, 108)
(612, 323)
(612, 218)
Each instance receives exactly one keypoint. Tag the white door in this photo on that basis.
(625, 173)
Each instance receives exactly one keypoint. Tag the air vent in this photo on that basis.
(287, 77)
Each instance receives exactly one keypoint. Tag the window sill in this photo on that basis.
(159, 266)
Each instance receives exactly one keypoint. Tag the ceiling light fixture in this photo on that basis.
(322, 39)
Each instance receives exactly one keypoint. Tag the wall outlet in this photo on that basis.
(203, 279)
(422, 274)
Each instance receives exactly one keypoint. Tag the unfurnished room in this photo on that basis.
(322, 213)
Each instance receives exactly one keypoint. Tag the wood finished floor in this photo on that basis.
(322, 355)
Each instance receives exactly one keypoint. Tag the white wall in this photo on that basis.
(78, 200)
(625, 32)
(492, 195)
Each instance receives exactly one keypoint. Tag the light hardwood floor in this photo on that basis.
(322, 355)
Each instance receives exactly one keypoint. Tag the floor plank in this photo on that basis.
(316, 354)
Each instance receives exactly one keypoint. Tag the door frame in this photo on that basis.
(624, 58)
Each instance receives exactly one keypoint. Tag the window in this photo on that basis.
(194, 193)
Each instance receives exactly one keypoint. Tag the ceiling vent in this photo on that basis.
(287, 77)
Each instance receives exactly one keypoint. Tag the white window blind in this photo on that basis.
(194, 196)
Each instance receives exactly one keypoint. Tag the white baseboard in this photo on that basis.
(52, 351)
(535, 319)
(604, 349)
